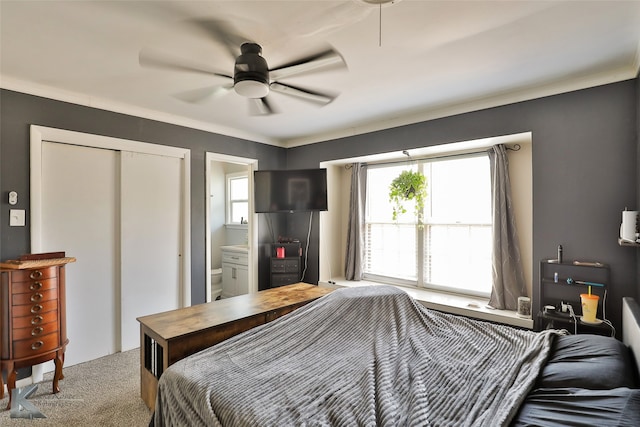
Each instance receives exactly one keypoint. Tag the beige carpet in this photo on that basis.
(102, 392)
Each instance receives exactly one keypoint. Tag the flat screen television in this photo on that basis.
(290, 190)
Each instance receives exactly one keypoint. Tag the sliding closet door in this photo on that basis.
(150, 209)
(120, 214)
(80, 188)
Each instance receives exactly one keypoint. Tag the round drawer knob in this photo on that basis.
(36, 297)
(37, 320)
(35, 286)
(36, 345)
(36, 308)
(36, 331)
(36, 274)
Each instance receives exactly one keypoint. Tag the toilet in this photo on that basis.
(216, 283)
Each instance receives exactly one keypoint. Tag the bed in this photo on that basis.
(373, 356)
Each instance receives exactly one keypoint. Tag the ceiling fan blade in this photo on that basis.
(151, 58)
(326, 59)
(303, 94)
(261, 107)
(222, 32)
(198, 96)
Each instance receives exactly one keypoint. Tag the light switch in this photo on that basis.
(16, 218)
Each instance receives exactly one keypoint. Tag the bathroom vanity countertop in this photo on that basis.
(236, 248)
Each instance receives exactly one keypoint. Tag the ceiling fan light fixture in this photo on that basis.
(251, 88)
(251, 77)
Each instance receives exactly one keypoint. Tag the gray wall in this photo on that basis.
(19, 111)
(585, 170)
(637, 207)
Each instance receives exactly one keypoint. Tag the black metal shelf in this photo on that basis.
(584, 276)
(557, 320)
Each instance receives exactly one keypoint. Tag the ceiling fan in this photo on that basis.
(252, 78)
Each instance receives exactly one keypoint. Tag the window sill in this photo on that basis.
(449, 303)
(237, 226)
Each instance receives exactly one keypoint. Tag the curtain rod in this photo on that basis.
(516, 147)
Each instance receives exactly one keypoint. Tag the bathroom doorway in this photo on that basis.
(231, 239)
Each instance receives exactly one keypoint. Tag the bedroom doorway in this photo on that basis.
(224, 235)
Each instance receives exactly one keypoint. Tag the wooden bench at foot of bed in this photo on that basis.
(168, 337)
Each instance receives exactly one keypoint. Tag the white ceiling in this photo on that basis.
(406, 62)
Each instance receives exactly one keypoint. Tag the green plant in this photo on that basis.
(409, 185)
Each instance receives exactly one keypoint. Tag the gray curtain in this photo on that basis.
(508, 276)
(355, 233)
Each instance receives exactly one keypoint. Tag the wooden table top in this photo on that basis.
(187, 320)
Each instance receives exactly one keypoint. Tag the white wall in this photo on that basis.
(217, 201)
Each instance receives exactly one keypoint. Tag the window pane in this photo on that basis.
(459, 257)
(378, 207)
(239, 211)
(239, 188)
(391, 250)
(460, 190)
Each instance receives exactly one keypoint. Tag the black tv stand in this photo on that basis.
(285, 271)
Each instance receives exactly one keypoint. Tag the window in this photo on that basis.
(452, 251)
(237, 198)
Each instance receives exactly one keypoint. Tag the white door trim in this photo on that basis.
(252, 231)
(41, 133)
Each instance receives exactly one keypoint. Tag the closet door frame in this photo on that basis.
(41, 133)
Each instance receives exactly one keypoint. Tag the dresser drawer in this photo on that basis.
(35, 346)
(34, 286)
(34, 297)
(32, 309)
(35, 319)
(35, 332)
(34, 274)
(283, 279)
(279, 265)
(235, 257)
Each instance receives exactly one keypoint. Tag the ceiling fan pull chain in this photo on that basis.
(380, 26)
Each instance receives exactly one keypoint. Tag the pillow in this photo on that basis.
(579, 407)
(589, 361)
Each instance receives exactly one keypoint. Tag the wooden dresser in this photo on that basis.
(168, 337)
(32, 317)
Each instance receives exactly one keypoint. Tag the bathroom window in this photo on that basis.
(237, 198)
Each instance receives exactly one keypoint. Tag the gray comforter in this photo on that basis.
(368, 356)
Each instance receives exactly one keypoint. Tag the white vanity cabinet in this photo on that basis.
(235, 271)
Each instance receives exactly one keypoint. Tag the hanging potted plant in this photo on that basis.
(409, 185)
